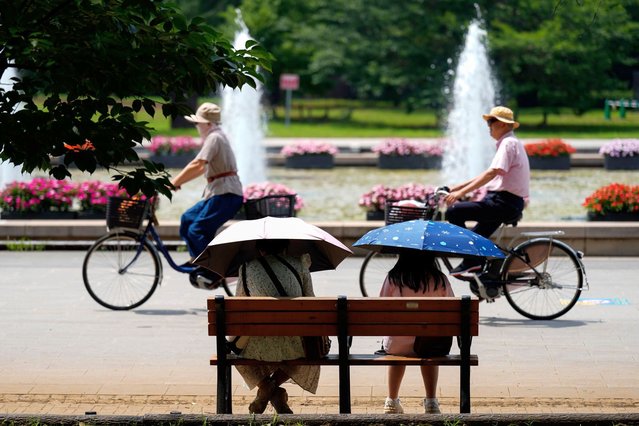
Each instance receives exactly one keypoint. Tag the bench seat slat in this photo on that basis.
(377, 304)
(286, 303)
(381, 329)
(312, 317)
(361, 360)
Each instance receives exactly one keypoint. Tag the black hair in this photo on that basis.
(415, 269)
(271, 246)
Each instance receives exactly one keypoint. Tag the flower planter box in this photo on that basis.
(621, 163)
(616, 216)
(310, 161)
(408, 162)
(177, 161)
(432, 162)
(375, 215)
(38, 215)
(561, 162)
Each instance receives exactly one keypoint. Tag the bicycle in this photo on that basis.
(123, 268)
(541, 276)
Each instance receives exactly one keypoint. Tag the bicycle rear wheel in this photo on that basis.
(373, 272)
(120, 272)
(549, 284)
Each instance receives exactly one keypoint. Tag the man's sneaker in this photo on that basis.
(393, 406)
(466, 268)
(431, 406)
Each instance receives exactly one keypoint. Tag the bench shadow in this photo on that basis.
(170, 312)
(556, 323)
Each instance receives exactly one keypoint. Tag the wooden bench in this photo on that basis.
(342, 317)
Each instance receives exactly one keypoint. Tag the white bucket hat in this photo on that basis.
(206, 113)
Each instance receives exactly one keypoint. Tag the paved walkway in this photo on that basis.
(61, 353)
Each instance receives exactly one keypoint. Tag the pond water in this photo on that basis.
(333, 194)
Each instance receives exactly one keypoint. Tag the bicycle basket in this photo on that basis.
(271, 205)
(395, 213)
(125, 212)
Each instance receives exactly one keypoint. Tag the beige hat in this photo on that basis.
(206, 113)
(502, 114)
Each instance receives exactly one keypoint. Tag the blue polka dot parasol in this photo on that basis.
(441, 238)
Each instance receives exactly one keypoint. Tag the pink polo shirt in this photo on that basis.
(511, 162)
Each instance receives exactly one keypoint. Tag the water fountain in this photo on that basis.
(470, 147)
(9, 172)
(243, 120)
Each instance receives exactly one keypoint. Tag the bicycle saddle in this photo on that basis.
(514, 221)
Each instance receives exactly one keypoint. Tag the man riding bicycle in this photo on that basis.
(507, 181)
(223, 193)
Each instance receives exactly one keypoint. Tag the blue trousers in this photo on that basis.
(490, 213)
(199, 224)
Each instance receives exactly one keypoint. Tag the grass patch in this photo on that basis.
(352, 119)
(24, 244)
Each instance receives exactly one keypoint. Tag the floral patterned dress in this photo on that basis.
(277, 348)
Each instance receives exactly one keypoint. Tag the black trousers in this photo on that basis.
(496, 208)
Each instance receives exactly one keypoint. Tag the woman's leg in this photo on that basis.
(265, 389)
(430, 375)
(392, 405)
(279, 398)
(395, 376)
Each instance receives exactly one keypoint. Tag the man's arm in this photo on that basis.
(191, 171)
(460, 191)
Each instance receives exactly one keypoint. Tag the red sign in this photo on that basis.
(289, 81)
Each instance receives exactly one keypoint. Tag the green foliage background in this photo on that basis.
(547, 53)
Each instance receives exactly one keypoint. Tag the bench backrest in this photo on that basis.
(318, 316)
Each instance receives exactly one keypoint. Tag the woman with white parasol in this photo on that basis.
(273, 257)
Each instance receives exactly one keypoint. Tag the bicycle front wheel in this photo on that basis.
(373, 272)
(544, 280)
(121, 272)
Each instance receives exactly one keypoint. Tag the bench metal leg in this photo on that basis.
(224, 397)
(344, 367)
(464, 370)
(464, 389)
(228, 393)
(223, 390)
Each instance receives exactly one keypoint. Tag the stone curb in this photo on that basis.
(328, 419)
(592, 238)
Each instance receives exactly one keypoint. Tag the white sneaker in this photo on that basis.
(393, 406)
(431, 406)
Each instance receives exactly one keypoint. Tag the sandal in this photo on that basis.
(279, 401)
(264, 394)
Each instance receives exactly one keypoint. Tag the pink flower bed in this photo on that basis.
(308, 147)
(400, 146)
(174, 145)
(43, 194)
(39, 194)
(93, 195)
(376, 198)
